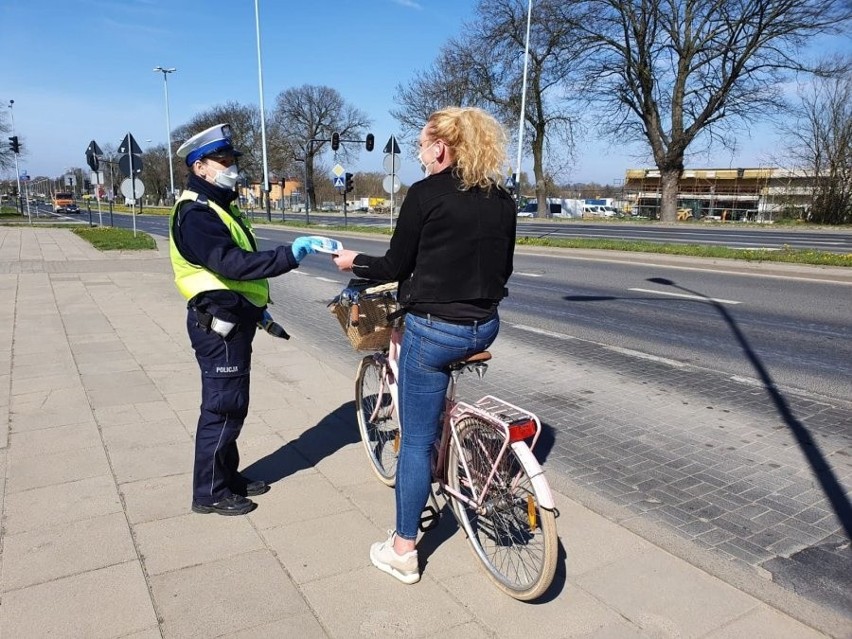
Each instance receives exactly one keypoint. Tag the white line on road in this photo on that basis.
(541, 331)
(325, 279)
(616, 349)
(684, 295)
(527, 274)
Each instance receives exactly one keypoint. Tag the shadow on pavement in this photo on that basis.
(448, 526)
(828, 481)
(332, 432)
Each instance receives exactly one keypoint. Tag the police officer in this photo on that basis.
(222, 274)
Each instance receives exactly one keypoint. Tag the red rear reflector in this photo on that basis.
(521, 430)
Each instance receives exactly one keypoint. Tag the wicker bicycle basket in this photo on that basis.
(372, 332)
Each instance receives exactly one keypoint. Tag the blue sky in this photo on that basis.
(82, 69)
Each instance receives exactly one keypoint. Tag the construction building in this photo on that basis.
(754, 194)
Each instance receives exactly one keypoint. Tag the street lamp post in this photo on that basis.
(266, 186)
(165, 71)
(523, 103)
(305, 188)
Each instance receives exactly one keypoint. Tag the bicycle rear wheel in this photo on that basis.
(514, 538)
(377, 419)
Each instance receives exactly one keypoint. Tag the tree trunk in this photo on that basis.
(538, 170)
(669, 182)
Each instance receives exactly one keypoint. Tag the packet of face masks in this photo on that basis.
(327, 244)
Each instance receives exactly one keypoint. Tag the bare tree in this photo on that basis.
(820, 141)
(7, 158)
(484, 67)
(245, 129)
(155, 173)
(310, 112)
(674, 73)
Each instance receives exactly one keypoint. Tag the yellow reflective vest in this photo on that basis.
(192, 279)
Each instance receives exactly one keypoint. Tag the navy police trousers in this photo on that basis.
(225, 365)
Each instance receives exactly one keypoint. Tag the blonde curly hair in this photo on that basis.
(477, 142)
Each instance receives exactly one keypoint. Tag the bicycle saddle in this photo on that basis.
(476, 358)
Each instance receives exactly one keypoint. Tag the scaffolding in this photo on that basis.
(753, 194)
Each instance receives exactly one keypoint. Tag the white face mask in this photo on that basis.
(426, 168)
(228, 178)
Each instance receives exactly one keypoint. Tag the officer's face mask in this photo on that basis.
(227, 178)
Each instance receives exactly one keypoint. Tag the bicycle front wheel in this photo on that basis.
(377, 419)
(514, 538)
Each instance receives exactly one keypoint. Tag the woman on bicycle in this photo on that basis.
(451, 253)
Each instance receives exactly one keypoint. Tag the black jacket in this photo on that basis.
(203, 239)
(451, 248)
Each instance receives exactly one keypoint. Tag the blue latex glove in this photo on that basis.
(302, 246)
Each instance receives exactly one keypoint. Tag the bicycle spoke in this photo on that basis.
(377, 420)
(517, 550)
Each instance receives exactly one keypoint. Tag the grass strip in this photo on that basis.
(784, 254)
(114, 239)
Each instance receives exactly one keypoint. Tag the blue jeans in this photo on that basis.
(428, 347)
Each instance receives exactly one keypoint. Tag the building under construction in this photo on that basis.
(760, 194)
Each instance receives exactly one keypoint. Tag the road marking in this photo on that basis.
(541, 331)
(640, 355)
(527, 274)
(325, 279)
(684, 296)
(616, 349)
(751, 381)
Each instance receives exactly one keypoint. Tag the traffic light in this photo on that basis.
(87, 185)
(370, 141)
(349, 186)
(335, 141)
(14, 144)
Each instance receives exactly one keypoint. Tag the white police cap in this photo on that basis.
(216, 139)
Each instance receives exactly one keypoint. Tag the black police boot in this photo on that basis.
(233, 505)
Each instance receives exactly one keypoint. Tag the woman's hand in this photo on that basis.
(344, 259)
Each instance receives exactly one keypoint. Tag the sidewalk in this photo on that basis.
(98, 401)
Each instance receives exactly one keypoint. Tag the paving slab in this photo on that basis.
(47, 553)
(230, 595)
(100, 604)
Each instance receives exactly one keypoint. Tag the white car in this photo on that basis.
(530, 209)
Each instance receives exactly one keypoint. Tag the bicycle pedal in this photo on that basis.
(429, 519)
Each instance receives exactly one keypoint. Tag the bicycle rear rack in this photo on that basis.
(516, 423)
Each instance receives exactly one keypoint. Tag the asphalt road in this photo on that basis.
(728, 235)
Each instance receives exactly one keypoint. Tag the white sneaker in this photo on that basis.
(403, 567)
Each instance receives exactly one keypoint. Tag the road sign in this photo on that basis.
(93, 151)
(391, 184)
(338, 170)
(127, 188)
(339, 182)
(391, 163)
(124, 165)
(391, 146)
(129, 145)
(24, 177)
